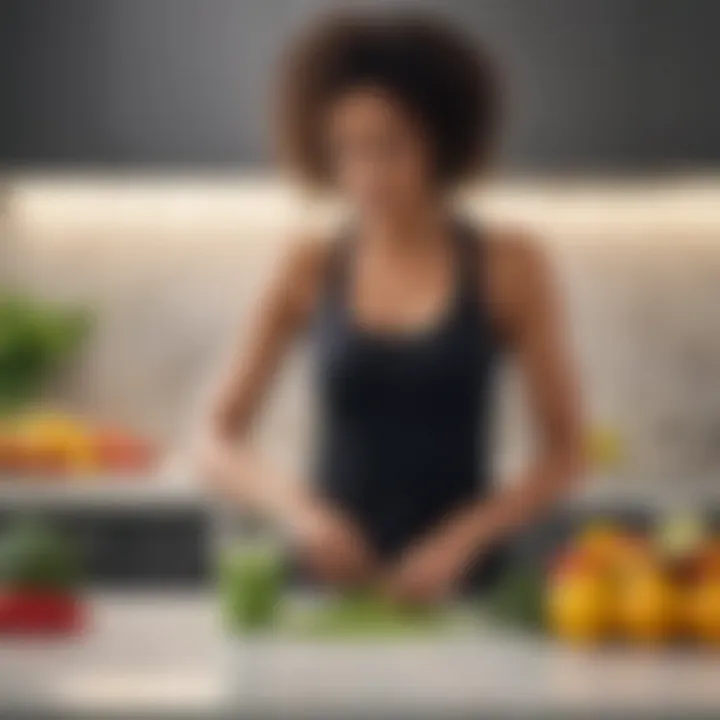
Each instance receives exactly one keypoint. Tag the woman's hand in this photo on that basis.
(328, 544)
(331, 546)
(429, 572)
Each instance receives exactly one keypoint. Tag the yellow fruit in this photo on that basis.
(61, 441)
(703, 611)
(681, 535)
(635, 558)
(604, 448)
(648, 607)
(81, 457)
(578, 607)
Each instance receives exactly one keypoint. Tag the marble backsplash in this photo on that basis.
(172, 271)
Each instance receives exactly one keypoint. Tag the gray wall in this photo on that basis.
(595, 84)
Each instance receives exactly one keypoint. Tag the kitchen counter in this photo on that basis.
(165, 653)
(596, 493)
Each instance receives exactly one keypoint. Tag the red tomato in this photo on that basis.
(121, 452)
(40, 612)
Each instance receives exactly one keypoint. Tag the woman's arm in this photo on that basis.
(523, 299)
(326, 541)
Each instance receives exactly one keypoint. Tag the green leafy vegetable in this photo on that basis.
(35, 337)
(32, 555)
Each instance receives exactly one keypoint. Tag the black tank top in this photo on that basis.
(404, 418)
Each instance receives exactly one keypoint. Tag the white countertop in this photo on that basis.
(166, 653)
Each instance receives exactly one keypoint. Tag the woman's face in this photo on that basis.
(378, 155)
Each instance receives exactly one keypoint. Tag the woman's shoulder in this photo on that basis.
(514, 251)
(305, 257)
(302, 267)
(516, 270)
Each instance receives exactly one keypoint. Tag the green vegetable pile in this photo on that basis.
(517, 599)
(34, 556)
(35, 337)
(252, 586)
(368, 615)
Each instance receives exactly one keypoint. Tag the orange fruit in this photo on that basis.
(707, 560)
(610, 548)
(648, 607)
(703, 611)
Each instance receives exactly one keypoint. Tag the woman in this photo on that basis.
(408, 313)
